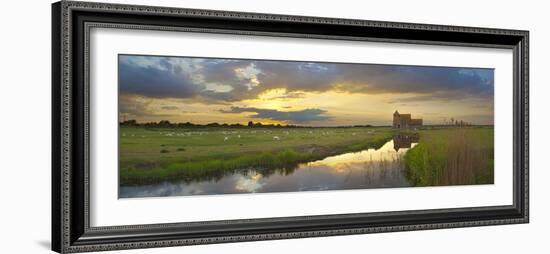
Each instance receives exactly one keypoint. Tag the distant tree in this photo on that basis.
(186, 124)
(129, 123)
(250, 124)
(213, 125)
(258, 124)
(164, 123)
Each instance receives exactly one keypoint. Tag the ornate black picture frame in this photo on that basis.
(71, 230)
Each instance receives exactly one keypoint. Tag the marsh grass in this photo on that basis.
(384, 170)
(453, 156)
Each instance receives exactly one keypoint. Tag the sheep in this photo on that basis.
(238, 136)
(276, 138)
(225, 139)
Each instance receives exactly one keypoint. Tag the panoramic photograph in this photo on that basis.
(210, 126)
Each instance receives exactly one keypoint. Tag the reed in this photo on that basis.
(452, 156)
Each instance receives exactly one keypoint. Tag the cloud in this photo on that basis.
(131, 106)
(300, 116)
(136, 106)
(376, 79)
(229, 80)
(158, 79)
(169, 107)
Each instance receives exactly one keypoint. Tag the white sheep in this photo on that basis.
(225, 139)
(276, 138)
(238, 136)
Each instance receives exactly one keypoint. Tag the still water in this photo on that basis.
(371, 168)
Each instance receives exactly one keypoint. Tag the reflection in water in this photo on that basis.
(372, 168)
(404, 140)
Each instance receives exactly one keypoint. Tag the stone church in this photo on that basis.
(404, 121)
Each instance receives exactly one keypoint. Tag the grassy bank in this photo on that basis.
(149, 155)
(452, 156)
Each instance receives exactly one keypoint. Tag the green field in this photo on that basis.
(452, 156)
(444, 156)
(154, 154)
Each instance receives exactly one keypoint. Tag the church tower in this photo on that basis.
(396, 120)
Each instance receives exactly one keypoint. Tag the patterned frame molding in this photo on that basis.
(71, 23)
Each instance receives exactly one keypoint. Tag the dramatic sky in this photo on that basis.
(205, 90)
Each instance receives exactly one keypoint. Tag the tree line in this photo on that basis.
(456, 122)
(250, 124)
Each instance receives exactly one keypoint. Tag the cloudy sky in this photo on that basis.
(205, 90)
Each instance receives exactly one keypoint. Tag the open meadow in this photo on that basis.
(149, 155)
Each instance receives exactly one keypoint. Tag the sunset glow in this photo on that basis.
(207, 90)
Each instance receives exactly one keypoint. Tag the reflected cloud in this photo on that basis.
(384, 153)
(371, 168)
(249, 183)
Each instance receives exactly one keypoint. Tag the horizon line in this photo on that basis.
(282, 125)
